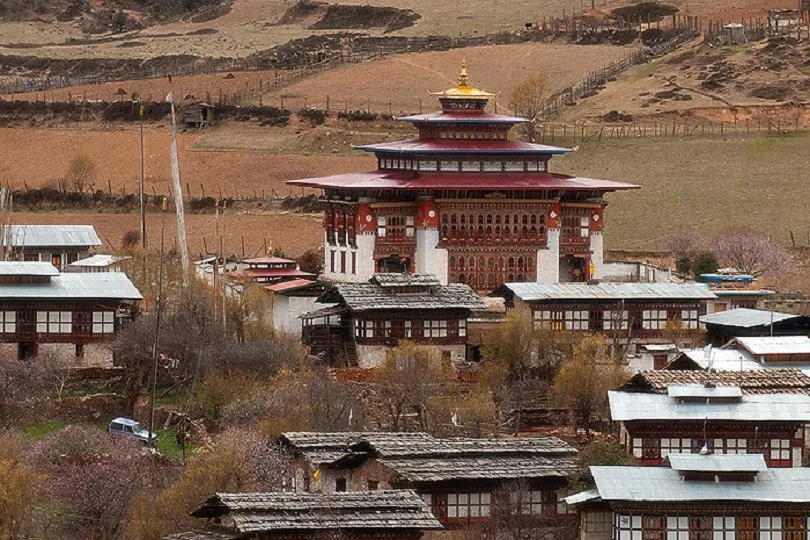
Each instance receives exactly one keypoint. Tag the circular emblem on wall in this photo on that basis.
(596, 217)
(431, 213)
(553, 214)
(368, 219)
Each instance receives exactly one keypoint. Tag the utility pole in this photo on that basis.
(155, 343)
(142, 200)
(178, 196)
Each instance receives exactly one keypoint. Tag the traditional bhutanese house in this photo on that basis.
(368, 319)
(724, 326)
(653, 356)
(700, 497)
(736, 291)
(460, 478)
(43, 309)
(291, 299)
(679, 412)
(393, 515)
(638, 313)
(271, 269)
(59, 245)
(315, 453)
(464, 202)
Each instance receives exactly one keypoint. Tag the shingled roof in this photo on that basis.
(277, 512)
(768, 381)
(437, 460)
(326, 447)
(403, 291)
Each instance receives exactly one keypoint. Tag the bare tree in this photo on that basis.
(584, 380)
(752, 253)
(518, 514)
(81, 174)
(55, 368)
(527, 100)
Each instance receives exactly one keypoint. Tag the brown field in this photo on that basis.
(37, 157)
(711, 184)
(404, 80)
(718, 83)
(204, 87)
(250, 26)
(294, 234)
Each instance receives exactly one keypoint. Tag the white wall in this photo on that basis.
(369, 356)
(288, 309)
(597, 254)
(548, 260)
(429, 258)
(364, 265)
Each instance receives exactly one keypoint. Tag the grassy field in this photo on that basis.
(711, 184)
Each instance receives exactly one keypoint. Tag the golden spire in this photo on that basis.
(463, 78)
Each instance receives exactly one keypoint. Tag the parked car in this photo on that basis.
(131, 428)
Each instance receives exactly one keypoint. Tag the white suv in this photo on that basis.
(131, 428)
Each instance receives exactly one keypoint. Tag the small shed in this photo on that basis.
(198, 114)
(734, 33)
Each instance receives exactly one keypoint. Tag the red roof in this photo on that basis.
(463, 146)
(462, 117)
(271, 273)
(269, 259)
(415, 181)
(290, 285)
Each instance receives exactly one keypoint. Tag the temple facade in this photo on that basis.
(464, 202)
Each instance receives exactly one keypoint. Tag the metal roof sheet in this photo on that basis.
(767, 345)
(98, 261)
(628, 406)
(718, 462)
(535, 292)
(420, 180)
(660, 484)
(80, 286)
(54, 235)
(454, 117)
(465, 146)
(291, 285)
(746, 318)
(722, 359)
(654, 347)
(701, 391)
(19, 268)
(588, 495)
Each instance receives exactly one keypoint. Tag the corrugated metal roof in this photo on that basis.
(746, 318)
(15, 268)
(701, 391)
(589, 495)
(653, 347)
(452, 146)
(718, 462)
(454, 117)
(626, 406)
(54, 235)
(98, 261)
(659, 484)
(108, 285)
(722, 359)
(537, 292)
(767, 345)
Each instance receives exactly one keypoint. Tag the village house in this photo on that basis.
(44, 310)
(460, 479)
(748, 353)
(632, 314)
(291, 299)
(679, 412)
(465, 203)
(270, 269)
(97, 263)
(724, 326)
(367, 319)
(390, 515)
(735, 290)
(58, 245)
(700, 497)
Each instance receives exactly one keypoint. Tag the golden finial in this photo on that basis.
(463, 78)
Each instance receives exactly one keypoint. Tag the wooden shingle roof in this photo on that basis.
(766, 381)
(373, 295)
(360, 510)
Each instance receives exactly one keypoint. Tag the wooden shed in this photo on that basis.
(199, 115)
